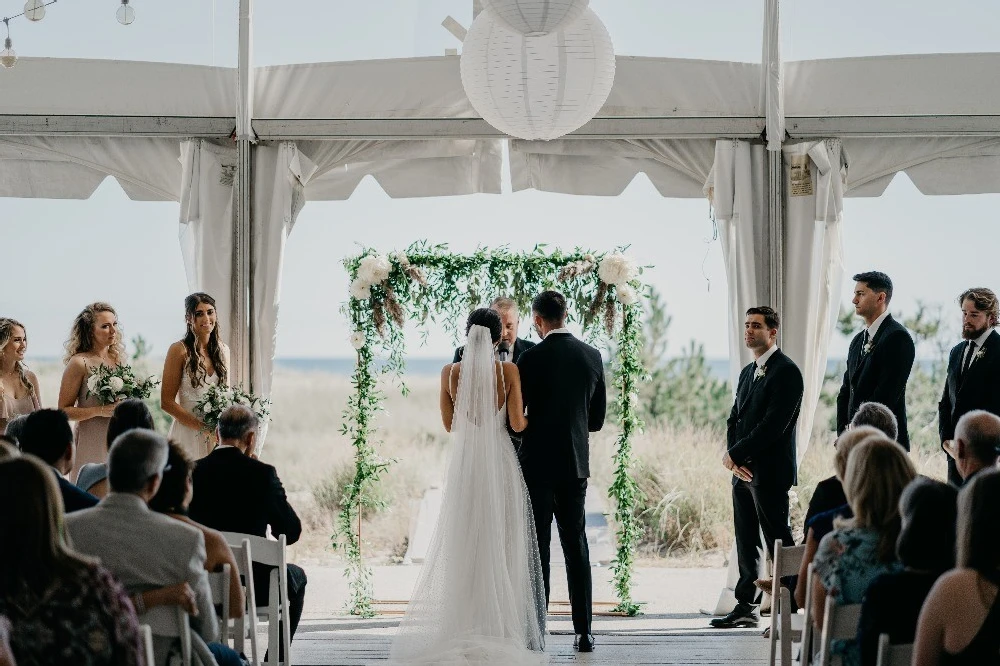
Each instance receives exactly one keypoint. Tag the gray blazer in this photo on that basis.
(146, 550)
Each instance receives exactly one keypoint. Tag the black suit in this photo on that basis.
(520, 346)
(562, 380)
(979, 388)
(760, 435)
(878, 376)
(235, 493)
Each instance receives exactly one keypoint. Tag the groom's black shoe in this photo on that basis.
(584, 643)
(744, 615)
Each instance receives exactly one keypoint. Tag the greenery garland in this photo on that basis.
(433, 284)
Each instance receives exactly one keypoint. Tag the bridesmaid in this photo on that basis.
(94, 340)
(193, 364)
(19, 392)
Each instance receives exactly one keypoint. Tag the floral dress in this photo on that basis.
(847, 562)
(85, 619)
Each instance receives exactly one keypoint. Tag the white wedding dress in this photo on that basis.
(196, 443)
(480, 597)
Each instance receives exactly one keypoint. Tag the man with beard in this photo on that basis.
(973, 380)
(880, 357)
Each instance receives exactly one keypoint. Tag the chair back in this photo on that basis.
(840, 622)
(786, 563)
(246, 625)
(146, 636)
(808, 631)
(218, 583)
(172, 622)
(272, 553)
(893, 655)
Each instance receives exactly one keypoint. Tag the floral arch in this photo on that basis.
(433, 284)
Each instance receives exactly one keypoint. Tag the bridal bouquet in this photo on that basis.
(217, 398)
(118, 383)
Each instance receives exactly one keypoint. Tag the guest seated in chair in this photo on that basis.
(235, 492)
(862, 548)
(63, 608)
(975, 447)
(131, 413)
(926, 549)
(48, 435)
(960, 621)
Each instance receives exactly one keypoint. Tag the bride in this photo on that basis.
(480, 596)
(192, 365)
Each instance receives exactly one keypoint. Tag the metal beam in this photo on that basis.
(116, 126)
(803, 127)
(477, 128)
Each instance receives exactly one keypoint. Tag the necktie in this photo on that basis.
(968, 357)
(864, 340)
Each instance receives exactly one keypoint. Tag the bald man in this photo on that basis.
(977, 437)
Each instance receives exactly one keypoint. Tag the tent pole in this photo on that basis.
(242, 276)
(775, 231)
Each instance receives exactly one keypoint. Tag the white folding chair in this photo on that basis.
(172, 622)
(784, 625)
(246, 625)
(272, 553)
(146, 635)
(893, 655)
(840, 622)
(218, 583)
(808, 631)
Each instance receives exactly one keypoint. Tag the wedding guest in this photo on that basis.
(235, 492)
(928, 510)
(173, 499)
(960, 622)
(976, 442)
(64, 608)
(94, 340)
(8, 449)
(862, 548)
(973, 379)
(760, 452)
(821, 524)
(19, 392)
(128, 414)
(880, 357)
(195, 363)
(510, 319)
(14, 428)
(48, 436)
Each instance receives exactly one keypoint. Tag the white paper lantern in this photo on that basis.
(535, 17)
(538, 87)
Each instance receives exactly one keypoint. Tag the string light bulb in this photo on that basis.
(34, 10)
(125, 13)
(8, 58)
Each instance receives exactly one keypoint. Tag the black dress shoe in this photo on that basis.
(584, 643)
(744, 615)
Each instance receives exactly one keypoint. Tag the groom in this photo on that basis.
(562, 381)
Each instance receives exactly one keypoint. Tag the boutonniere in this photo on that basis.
(867, 349)
(759, 373)
(979, 355)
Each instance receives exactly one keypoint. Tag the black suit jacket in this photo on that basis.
(878, 376)
(235, 493)
(562, 381)
(73, 498)
(520, 346)
(979, 389)
(760, 432)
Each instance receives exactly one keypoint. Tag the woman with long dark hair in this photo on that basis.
(94, 340)
(193, 364)
(19, 392)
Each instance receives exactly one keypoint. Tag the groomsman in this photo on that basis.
(880, 357)
(973, 380)
(760, 452)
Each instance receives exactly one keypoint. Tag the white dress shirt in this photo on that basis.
(980, 341)
(873, 329)
(762, 360)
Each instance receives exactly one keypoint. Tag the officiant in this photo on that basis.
(511, 347)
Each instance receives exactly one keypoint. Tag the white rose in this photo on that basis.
(588, 258)
(116, 384)
(374, 269)
(617, 269)
(360, 290)
(92, 383)
(401, 258)
(358, 340)
(626, 294)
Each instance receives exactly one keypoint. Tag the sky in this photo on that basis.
(63, 254)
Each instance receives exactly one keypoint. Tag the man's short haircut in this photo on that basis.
(770, 315)
(135, 457)
(879, 416)
(984, 299)
(46, 434)
(504, 304)
(877, 281)
(550, 306)
(980, 430)
(236, 421)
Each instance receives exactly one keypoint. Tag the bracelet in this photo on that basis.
(139, 603)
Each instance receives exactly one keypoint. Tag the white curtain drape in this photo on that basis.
(815, 174)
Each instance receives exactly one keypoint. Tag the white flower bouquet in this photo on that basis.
(217, 398)
(111, 384)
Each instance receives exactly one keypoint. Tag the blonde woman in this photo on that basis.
(19, 392)
(94, 340)
(862, 548)
(192, 365)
